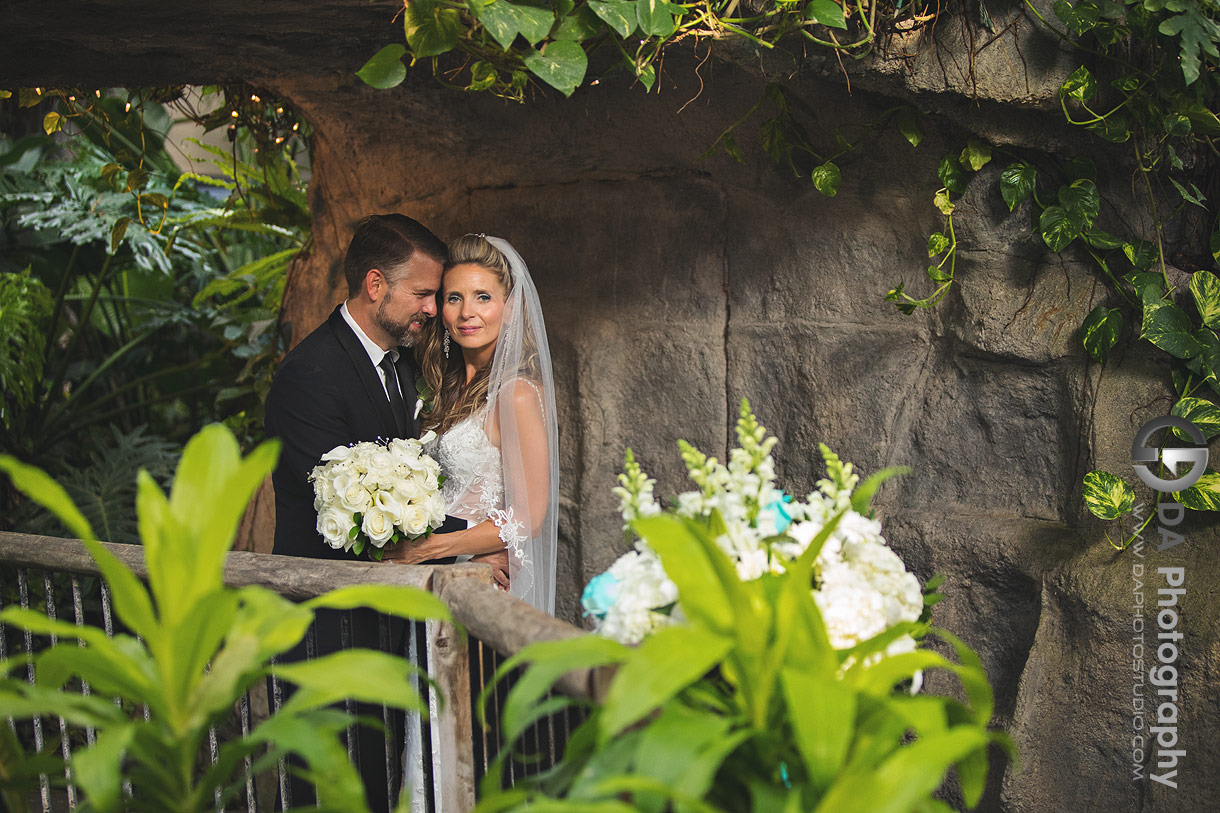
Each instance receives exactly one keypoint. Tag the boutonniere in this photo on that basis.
(423, 403)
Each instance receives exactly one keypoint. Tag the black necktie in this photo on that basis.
(397, 405)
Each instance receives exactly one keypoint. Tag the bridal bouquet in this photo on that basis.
(373, 494)
(861, 587)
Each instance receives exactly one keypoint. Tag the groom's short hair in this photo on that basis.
(386, 242)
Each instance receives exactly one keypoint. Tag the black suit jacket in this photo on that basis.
(326, 393)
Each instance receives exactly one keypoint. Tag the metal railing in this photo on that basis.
(440, 756)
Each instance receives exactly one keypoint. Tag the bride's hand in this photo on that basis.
(499, 565)
(412, 553)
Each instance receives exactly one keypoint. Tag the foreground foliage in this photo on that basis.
(191, 650)
(746, 704)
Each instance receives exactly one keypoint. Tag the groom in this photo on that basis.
(351, 380)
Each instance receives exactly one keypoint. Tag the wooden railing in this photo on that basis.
(452, 750)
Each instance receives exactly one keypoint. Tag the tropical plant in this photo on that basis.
(193, 647)
(747, 705)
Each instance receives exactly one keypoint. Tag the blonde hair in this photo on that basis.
(453, 398)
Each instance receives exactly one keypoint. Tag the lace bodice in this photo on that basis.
(474, 484)
(474, 488)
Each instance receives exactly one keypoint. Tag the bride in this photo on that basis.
(487, 364)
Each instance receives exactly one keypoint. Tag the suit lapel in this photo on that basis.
(370, 381)
(406, 382)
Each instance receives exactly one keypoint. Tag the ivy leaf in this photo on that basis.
(1017, 182)
(579, 25)
(1167, 326)
(647, 76)
(937, 274)
(942, 202)
(1195, 196)
(1100, 332)
(1204, 414)
(117, 231)
(1205, 287)
(110, 174)
(908, 126)
(1140, 254)
(1209, 359)
(1205, 121)
(774, 134)
(1106, 495)
(52, 123)
(976, 155)
(1081, 201)
(561, 65)
(826, 179)
(1079, 18)
(385, 69)
(1197, 33)
(136, 179)
(1176, 124)
(826, 12)
(1057, 227)
(1080, 85)
(431, 29)
(1203, 495)
(620, 15)
(1078, 168)
(1101, 239)
(656, 17)
(937, 243)
(951, 174)
(1115, 127)
(504, 21)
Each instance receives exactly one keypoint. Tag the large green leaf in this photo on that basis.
(1106, 495)
(1080, 85)
(666, 663)
(707, 583)
(1100, 332)
(97, 770)
(683, 749)
(975, 155)
(1203, 495)
(1202, 413)
(1167, 326)
(1017, 182)
(656, 17)
(505, 20)
(315, 738)
(1197, 32)
(1205, 287)
(620, 15)
(1081, 200)
(578, 25)
(432, 29)
(823, 716)
(404, 602)
(1079, 18)
(826, 179)
(826, 12)
(952, 175)
(1057, 227)
(361, 674)
(561, 65)
(385, 69)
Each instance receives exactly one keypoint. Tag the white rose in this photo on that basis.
(323, 486)
(405, 450)
(335, 524)
(414, 520)
(377, 526)
(409, 490)
(356, 498)
(435, 508)
(382, 462)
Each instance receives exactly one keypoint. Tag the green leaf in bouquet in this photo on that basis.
(385, 69)
(1204, 495)
(1202, 413)
(863, 494)
(706, 579)
(666, 662)
(1106, 495)
(1100, 332)
(361, 674)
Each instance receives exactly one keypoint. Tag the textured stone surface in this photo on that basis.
(674, 286)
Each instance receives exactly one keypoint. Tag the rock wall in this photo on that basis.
(673, 287)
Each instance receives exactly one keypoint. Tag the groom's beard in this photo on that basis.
(400, 330)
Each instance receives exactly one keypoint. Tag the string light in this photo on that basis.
(279, 140)
(296, 126)
(233, 113)
(279, 110)
(254, 98)
(127, 108)
(97, 93)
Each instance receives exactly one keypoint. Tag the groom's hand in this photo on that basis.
(499, 565)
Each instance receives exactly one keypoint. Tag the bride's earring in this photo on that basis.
(445, 344)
